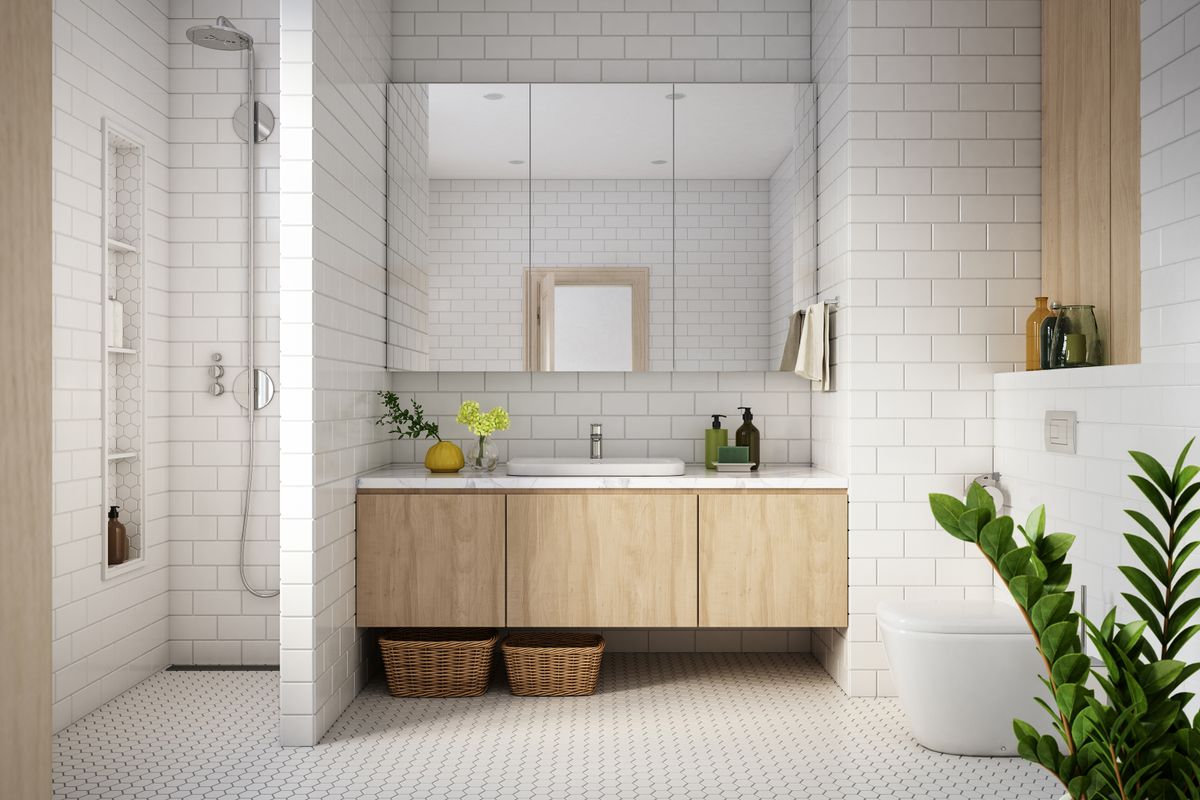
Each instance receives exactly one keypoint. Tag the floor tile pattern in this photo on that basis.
(663, 726)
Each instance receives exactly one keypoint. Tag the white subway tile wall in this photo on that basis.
(213, 620)
(110, 60)
(634, 41)
(943, 221)
(1171, 181)
(334, 70)
(645, 414)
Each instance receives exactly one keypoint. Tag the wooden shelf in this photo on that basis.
(121, 247)
(122, 456)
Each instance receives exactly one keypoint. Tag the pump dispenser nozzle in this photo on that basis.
(717, 421)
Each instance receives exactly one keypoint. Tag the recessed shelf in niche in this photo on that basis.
(128, 351)
(121, 247)
(122, 456)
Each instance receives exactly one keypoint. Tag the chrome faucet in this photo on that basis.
(597, 440)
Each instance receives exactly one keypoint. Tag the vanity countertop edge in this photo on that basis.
(769, 476)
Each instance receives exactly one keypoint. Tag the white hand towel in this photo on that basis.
(811, 361)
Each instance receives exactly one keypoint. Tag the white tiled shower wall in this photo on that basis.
(213, 620)
(621, 41)
(335, 62)
(1155, 406)
(110, 60)
(943, 236)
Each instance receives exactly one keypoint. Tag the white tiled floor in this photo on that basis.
(662, 726)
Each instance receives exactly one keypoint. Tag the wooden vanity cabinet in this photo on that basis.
(430, 560)
(773, 560)
(604, 559)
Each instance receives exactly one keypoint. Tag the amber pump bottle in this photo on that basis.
(118, 540)
(747, 435)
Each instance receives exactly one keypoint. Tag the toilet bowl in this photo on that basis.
(963, 671)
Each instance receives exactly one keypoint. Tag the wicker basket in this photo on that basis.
(437, 662)
(553, 664)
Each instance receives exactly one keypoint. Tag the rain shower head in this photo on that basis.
(221, 35)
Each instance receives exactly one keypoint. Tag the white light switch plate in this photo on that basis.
(1060, 431)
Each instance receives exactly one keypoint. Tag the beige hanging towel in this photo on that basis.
(791, 345)
(812, 362)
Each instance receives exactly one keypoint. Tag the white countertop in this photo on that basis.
(768, 476)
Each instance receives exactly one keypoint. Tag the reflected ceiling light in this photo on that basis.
(516, 161)
(676, 96)
(493, 96)
(658, 161)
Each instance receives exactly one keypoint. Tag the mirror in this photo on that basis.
(589, 227)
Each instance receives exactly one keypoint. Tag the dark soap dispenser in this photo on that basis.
(118, 540)
(747, 435)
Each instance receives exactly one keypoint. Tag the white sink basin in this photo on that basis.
(600, 467)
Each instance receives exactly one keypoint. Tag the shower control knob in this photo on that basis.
(216, 390)
(216, 371)
(216, 357)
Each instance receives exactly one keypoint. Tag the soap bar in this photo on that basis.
(733, 455)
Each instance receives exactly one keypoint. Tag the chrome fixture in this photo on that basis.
(264, 389)
(597, 440)
(264, 121)
(216, 372)
(224, 35)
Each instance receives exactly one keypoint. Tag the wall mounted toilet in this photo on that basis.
(963, 671)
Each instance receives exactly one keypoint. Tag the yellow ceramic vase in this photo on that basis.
(444, 457)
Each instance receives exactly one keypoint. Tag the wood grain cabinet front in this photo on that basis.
(773, 560)
(602, 560)
(430, 560)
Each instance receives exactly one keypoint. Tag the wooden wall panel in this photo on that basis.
(1090, 164)
(25, 335)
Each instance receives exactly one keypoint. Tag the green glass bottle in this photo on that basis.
(747, 435)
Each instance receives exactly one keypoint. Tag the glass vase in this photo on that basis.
(483, 456)
(1077, 340)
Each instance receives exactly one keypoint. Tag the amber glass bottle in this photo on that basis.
(1033, 327)
(118, 540)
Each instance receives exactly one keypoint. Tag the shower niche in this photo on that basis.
(122, 333)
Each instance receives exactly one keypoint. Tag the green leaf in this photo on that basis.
(971, 523)
(1148, 526)
(1026, 590)
(1036, 567)
(1183, 500)
(1024, 730)
(1184, 477)
(1145, 586)
(977, 497)
(1182, 638)
(1155, 471)
(1185, 524)
(1153, 495)
(1182, 457)
(1014, 562)
(1059, 639)
(947, 510)
(1078, 786)
(1058, 577)
(1146, 613)
(1148, 556)
(1035, 526)
(1071, 668)
(1069, 700)
(1160, 675)
(1048, 753)
(1129, 635)
(1055, 546)
(1181, 616)
(1051, 608)
(996, 537)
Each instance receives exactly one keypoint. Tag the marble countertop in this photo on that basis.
(768, 476)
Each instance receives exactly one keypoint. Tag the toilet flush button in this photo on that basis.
(1060, 431)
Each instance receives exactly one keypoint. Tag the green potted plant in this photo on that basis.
(405, 424)
(1119, 729)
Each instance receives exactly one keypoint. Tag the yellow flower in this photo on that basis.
(479, 423)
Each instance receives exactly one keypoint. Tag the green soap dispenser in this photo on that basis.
(714, 437)
(747, 436)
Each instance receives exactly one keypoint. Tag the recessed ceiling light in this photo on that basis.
(493, 96)
(516, 161)
(676, 96)
(658, 161)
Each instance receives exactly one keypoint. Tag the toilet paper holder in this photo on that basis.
(990, 481)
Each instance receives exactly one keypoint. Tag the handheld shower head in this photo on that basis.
(222, 35)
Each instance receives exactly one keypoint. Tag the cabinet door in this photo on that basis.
(773, 560)
(602, 560)
(430, 560)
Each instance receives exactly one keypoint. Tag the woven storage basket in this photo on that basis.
(437, 662)
(552, 664)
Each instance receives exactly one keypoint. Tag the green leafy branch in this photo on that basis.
(406, 424)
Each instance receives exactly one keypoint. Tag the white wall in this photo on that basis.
(110, 60)
(629, 41)
(335, 62)
(213, 620)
